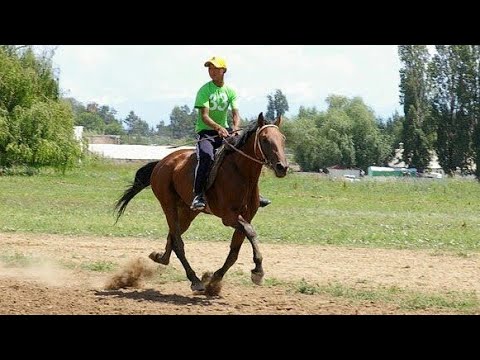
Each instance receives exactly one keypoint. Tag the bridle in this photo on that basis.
(256, 145)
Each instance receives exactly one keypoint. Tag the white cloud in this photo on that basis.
(150, 80)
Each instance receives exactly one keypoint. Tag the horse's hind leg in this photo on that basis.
(257, 272)
(179, 219)
(178, 247)
(163, 258)
(185, 218)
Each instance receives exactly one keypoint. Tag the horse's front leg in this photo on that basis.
(257, 272)
(213, 283)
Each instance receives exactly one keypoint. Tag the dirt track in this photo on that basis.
(61, 280)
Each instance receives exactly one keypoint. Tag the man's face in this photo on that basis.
(215, 73)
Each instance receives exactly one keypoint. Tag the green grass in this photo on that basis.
(18, 260)
(99, 266)
(462, 302)
(306, 209)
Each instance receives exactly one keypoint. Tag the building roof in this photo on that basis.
(133, 152)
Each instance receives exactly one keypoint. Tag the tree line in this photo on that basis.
(440, 95)
(36, 126)
(441, 101)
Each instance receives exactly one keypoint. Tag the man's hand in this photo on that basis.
(222, 132)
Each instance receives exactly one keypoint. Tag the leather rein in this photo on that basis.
(256, 145)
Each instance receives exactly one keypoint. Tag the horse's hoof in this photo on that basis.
(198, 288)
(207, 277)
(257, 278)
(158, 258)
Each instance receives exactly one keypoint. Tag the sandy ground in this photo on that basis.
(61, 279)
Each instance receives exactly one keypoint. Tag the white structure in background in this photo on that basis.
(126, 152)
(133, 152)
(434, 167)
(338, 172)
(78, 132)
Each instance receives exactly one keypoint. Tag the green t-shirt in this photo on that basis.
(217, 99)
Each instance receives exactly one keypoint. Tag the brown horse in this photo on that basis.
(233, 196)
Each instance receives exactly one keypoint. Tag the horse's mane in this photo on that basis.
(241, 139)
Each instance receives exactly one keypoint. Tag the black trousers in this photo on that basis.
(207, 145)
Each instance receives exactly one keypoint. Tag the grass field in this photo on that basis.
(306, 209)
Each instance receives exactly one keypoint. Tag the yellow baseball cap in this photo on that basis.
(217, 61)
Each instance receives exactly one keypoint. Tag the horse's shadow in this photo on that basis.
(156, 296)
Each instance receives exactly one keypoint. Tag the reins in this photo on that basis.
(197, 141)
(255, 145)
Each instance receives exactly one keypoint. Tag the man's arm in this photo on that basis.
(208, 121)
(236, 119)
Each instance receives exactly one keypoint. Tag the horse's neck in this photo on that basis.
(248, 167)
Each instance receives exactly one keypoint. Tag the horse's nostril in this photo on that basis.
(280, 167)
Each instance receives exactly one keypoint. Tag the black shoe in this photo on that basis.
(264, 201)
(198, 203)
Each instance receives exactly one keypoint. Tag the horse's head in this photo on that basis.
(270, 145)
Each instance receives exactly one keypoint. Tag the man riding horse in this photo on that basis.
(212, 101)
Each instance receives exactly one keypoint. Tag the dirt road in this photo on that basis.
(56, 274)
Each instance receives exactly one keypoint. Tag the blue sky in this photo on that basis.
(152, 79)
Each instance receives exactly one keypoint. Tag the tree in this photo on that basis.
(41, 135)
(182, 122)
(135, 125)
(370, 146)
(476, 108)
(346, 134)
(392, 130)
(307, 113)
(277, 105)
(414, 91)
(36, 127)
(455, 103)
(91, 122)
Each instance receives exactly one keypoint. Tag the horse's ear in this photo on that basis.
(261, 120)
(279, 121)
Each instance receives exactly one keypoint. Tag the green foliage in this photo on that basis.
(114, 128)
(182, 122)
(135, 125)
(91, 122)
(36, 129)
(346, 134)
(456, 105)
(25, 78)
(392, 131)
(100, 266)
(277, 105)
(414, 95)
(41, 135)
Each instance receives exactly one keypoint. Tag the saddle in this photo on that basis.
(217, 161)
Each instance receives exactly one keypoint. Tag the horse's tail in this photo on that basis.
(142, 180)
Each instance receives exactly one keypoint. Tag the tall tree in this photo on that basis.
(476, 108)
(455, 104)
(135, 125)
(392, 130)
(414, 92)
(277, 105)
(182, 122)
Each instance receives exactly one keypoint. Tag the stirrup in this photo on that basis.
(264, 201)
(198, 203)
